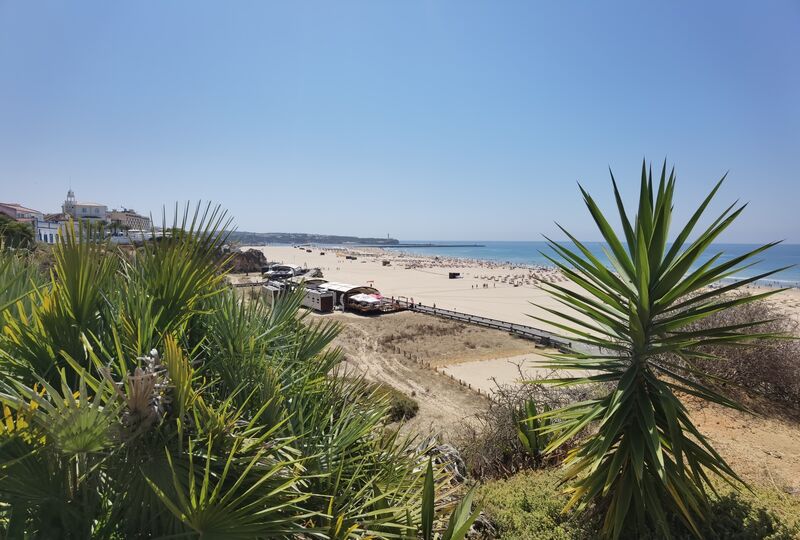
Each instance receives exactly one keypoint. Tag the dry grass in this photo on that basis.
(439, 342)
(762, 449)
(491, 447)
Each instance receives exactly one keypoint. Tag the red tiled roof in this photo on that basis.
(19, 208)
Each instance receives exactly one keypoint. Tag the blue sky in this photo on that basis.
(425, 120)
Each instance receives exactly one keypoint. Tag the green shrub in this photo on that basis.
(736, 516)
(142, 398)
(401, 406)
(15, 234)
(528, 506)
(765, 513)
(491, 444)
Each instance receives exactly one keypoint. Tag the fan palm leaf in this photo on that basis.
(142, 397)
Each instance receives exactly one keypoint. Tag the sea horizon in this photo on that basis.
(530, 253)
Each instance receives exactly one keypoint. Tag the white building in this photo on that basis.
(47, 232)
(129, 219)
(84, 210)
(52, 226)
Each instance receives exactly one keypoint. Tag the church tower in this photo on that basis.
(69, 204)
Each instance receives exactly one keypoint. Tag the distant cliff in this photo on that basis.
(257, 239)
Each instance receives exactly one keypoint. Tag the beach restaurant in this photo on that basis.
(353, 297)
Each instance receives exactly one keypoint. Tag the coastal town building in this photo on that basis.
(48, 227)
(87, 211)
(20, 213)
(52, 226)
(43, 231)
(127, 218)
(47, 232)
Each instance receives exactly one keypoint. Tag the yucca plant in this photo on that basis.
(647, 459)
(530, 429)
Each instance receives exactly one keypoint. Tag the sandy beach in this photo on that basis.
(490, 289)
(451, 368)
(501, 291)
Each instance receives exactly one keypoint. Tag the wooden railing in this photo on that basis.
(538, 335)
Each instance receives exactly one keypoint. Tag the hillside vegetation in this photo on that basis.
(142, 398)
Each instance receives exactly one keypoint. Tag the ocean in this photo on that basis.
(530, 253)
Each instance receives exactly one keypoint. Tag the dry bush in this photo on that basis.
(490, 444)
(413, 332)
(769, 368)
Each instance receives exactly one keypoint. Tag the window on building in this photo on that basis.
(51, 238)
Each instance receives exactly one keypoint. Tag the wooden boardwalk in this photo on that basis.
(248, 284)
(543, 337)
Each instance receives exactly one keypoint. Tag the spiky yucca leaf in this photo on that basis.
(647, 459)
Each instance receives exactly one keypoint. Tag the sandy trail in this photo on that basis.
(397, 348)
(487, 374)
(760, 449)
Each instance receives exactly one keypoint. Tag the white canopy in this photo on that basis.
(366, 298)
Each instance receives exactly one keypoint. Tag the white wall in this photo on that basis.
(47, 231)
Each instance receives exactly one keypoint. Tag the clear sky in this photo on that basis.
(425, 120)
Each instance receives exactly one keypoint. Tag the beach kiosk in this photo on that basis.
(318, 300)
(314, 297)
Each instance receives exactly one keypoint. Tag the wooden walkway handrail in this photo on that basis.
(527, 332)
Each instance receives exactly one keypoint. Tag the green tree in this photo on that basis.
(15, 234)
(647, 460)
